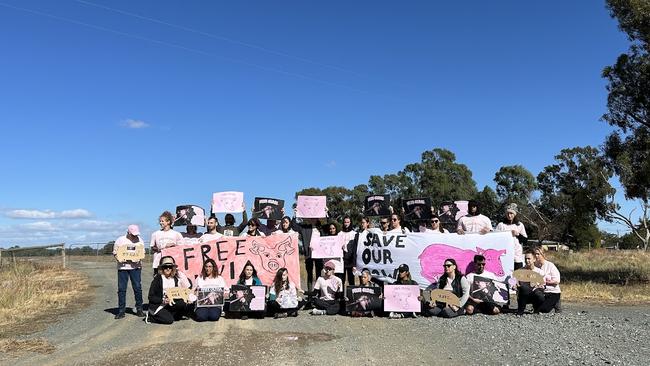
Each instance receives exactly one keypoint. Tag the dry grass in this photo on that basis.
(39, 345)
(31, 293)
(593, 292)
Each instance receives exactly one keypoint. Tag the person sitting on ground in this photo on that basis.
(163, 309)
(283, 296)
(248, 277)
(452, 280)
(551, 283)
(404, 278)
(528, 293)
(365, 281)
(474, 303)
(328, 292)
(512, 224)
(474, 221)
(209, 277)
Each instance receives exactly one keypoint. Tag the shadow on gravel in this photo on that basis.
(235, 347)
(129, 310)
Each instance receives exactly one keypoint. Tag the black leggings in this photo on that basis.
(528, 295)
(331, 307)
(445, 312)
(167, 314)
(309, 266)
(550, 299)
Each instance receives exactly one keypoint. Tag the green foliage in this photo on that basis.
(514, 184)
(490, 205)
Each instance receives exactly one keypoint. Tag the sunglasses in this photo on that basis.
(393, 219)
(435, 221)
(447, 265)
(167, 267)
(384, 222)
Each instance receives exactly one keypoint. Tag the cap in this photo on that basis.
(134, 230)
(167, 262)
(403, 268)
(330, 264)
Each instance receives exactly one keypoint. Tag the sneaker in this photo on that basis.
(280, 315)
(244, 317)
(558, 306)
(293, 314)
(394, 315)
(140, 313)
(120, 316)
(317, 312)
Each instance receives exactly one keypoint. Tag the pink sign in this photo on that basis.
(311, 207)
(267, 254)
(327, 247)
(228, 202)
(462, 209)
(433, 258)
(402, 298)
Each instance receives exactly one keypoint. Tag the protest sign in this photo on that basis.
(444, 296)
(189, 215)
(461, 208)
(247, 298)
(377, 205)
(447, 213)
(132, 253)
(311, 207)
(425, 254)
(327, 247)
(527, 275)
(209, 297)
(489, 290)
(178, 293)
(402, 298)
(231, 202)
(267, 254)
(417, 209)
(268, 208)
(362, 299)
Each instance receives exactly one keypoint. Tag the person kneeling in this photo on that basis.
(328, 292)
(163, 309)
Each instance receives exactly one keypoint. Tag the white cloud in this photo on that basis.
(134, 123)
(39, 226)
(49, 214)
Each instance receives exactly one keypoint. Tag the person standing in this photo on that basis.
(164, 238)
(474, 221)
(211, 234)
(512, 224)
(129, 269)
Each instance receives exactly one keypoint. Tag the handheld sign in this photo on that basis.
(231, 202)
(178, 293)
(311, 207)
(417, 209)
(327, 247)
(377, 205)
(268, 208)
(189, 215)
(362, 299)
(445, 296)
(132, 253)
(209, 297)
(526, 275)
(402, 298)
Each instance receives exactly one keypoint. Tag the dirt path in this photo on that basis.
(92, 336)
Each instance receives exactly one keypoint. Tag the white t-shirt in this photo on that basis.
(551, 273)
(124, 241)
(161, 240)
(401, 230)
(328, 287)
(279, 231)
(486, 274)
(474, 224)
(431, 231)
(519, 227)
(287, 298)
(209, 237)
(191, 239)
(210, 282)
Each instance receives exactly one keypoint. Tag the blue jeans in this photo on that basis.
(122, 281)
(208, 314)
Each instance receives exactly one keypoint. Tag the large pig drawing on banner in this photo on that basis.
(433, 257)
(272, 258)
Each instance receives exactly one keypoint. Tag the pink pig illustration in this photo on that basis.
(272, 258)
(433, 257)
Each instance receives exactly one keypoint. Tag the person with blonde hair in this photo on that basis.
(551, 283)
(162, 308)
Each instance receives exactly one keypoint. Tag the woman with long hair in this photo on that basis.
(283, 295)
(454, 281)
(519, 237)
(551, 283)
(285, 226)
(253, 228)
(162, 308)
(209, 277)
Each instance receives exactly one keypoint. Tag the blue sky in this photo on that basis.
(115, 111)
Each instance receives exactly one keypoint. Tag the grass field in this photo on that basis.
(29, 291)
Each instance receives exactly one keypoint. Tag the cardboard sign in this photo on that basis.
(402, 298)
(189, 215)
(444, 296)
(178, 293)
(268, 208)
(489, 290)
(377, 205)
(133, 253)
(230, 202)
(207, 297)
(247, 298)
(311, 207)
(362, 299)
(267, 254)
(527, 275)
(417, 209)
(327, 247)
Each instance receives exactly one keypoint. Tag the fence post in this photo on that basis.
(63, 253)
(0, 258)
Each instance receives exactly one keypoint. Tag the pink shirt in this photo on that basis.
(551, 273)
(161, 240)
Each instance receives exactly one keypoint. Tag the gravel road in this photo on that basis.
(581, 335)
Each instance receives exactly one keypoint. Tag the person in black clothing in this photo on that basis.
(163, 309)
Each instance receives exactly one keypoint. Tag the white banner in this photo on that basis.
(425, 254)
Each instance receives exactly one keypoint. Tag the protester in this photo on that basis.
(528, 293)
(327, 292)
(162, 309)
(365, 280)
(512, 224)
(384, 224)
(166, 237)
(436, 227)
(404, 278)
(283, 296)
(551, 283)
(285, 226)
(191, 236)
(350, 248)
(396, 225)
(129, 269)
(253, 225)
(452, 280)
(332, 230)
(209, 277)
(474, 303)
(308, 228)
(248, 277)
(474, 221)
(211, 234)
(230, 229)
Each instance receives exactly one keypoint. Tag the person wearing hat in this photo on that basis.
(474, 221)
(162, 309)
(519, 237)
(404, 278)
(129, 269)
(328, 291)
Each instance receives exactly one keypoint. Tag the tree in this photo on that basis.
(574, 193)
(514, 183)
(490, 206)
